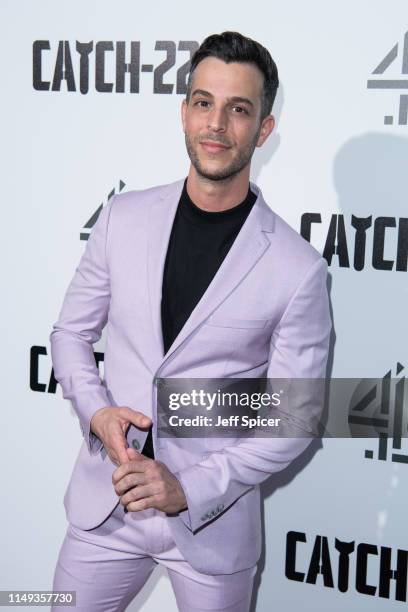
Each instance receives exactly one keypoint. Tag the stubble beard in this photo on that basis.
(237, 164)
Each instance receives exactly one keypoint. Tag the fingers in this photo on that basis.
(134, 416)
(132, 454)
(129, 482)
(110, 424)
(142, 504)
(140, 498)
(138, 465)
(118, 446)
(136, 493)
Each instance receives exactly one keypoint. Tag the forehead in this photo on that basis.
(228, 80)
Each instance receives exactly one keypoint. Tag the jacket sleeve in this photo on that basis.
(83, 315)
(298, 350)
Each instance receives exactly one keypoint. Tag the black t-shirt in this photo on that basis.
(199, 242)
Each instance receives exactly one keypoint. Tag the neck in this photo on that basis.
(216, 196)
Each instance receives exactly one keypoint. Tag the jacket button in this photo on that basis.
(136, 444)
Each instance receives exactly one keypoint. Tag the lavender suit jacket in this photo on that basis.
(265, 313)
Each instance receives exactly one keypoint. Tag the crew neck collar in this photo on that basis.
(194, 212)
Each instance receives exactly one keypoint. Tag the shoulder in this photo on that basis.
(144, 197)
(293, 243)
(287, 246)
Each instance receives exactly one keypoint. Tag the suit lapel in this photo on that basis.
(249, 245)
(161, 217)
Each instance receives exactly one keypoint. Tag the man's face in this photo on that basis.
(221, 122)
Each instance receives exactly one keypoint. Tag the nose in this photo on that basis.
(217, 120)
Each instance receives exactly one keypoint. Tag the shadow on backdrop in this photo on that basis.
(370, 176)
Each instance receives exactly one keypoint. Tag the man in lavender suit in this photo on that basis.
(195, 279)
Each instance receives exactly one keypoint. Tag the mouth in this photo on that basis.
(213, 147)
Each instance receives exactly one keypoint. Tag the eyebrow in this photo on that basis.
(207, 94)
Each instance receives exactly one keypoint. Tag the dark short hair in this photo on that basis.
(234, 47)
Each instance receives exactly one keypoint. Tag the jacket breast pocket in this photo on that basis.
(217, 320)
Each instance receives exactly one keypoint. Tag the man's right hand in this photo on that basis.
(110, 425)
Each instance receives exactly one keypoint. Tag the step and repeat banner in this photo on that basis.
(91, 97)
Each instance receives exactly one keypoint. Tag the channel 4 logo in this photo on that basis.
(381, 406)
(395, 61)
(84, 235)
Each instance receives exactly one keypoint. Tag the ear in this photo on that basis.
(266, 128)
(183, 113)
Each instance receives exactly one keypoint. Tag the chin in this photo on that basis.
(219, 174)
(215, 174)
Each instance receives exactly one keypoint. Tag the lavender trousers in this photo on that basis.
(108, 565)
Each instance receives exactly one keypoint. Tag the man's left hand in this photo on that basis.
(146, 483)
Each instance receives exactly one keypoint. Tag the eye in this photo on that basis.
(202, 103)
(240, 110)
